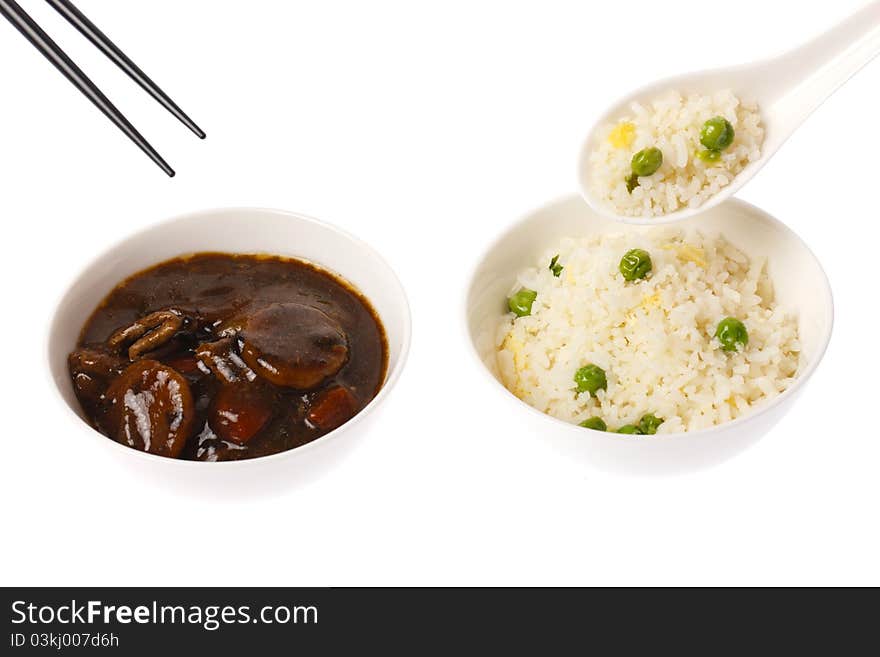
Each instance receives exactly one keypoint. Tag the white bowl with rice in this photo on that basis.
(653, 337)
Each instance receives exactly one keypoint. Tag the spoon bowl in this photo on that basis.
(787, 89)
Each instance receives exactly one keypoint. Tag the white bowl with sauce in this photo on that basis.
(247, 231)
(800, 286)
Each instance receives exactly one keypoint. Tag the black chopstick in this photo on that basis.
(50, 50)
(88, 29)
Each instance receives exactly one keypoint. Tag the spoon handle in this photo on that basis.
(818, 68)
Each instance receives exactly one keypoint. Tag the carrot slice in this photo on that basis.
(332, 408)
(239, 412)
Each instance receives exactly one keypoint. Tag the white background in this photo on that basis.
(424, 128)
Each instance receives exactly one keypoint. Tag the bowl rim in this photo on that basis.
(762, 409)
(391, 376)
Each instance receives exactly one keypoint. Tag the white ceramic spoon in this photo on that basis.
(787, 89)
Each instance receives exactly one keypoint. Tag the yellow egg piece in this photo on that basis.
(652, 300)
(622, 135)
(515, 347)
(694, 254)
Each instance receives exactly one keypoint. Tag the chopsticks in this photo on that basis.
(44, 43)
(90, 31)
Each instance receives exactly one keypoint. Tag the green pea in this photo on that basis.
(591, 378)
(630, 429)
(709, 156)
(596, 423)
(732, 334)
(717, 134)
(649, 423)
(635, 264)
(521, 302)
(647, 161)
(555, 267)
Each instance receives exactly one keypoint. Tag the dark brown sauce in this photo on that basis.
(217, 357)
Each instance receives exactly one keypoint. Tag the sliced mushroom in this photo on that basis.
(332, 408)
(95, 361)
(222, 359)
(291, 344)
(238, 412)
(148, 333)
(91, 369)
(152, 408)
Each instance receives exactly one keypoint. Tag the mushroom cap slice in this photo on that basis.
(152, 408)
(223, 361)
(92, 369)
(293, 345)
(147, 333)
